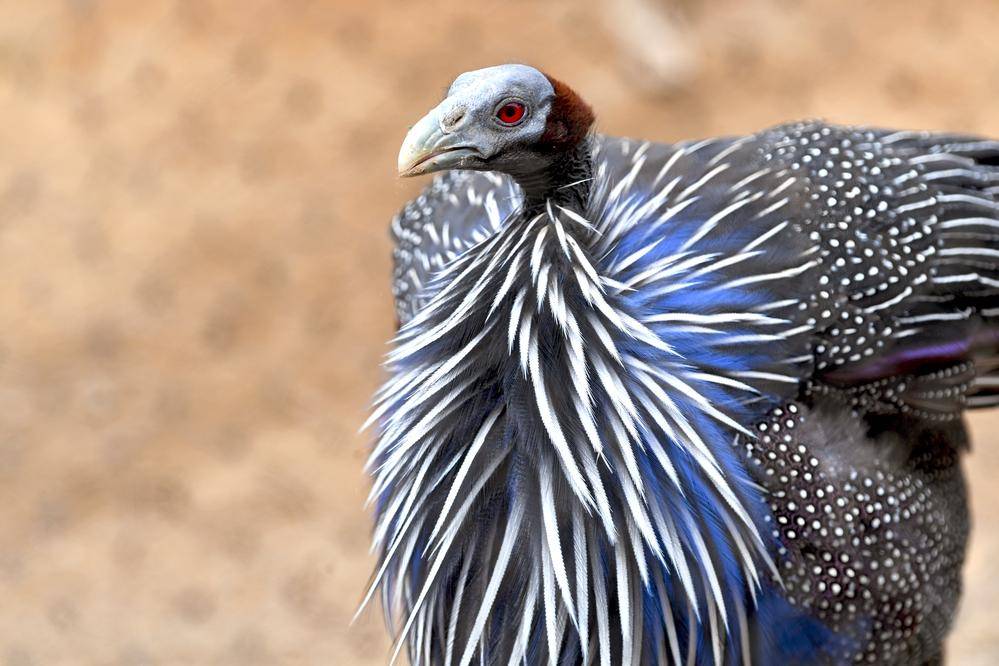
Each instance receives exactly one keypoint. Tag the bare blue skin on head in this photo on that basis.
(462, 132)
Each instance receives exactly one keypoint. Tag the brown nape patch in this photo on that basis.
(569, 119)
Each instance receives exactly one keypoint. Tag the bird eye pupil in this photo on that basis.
(511, 112)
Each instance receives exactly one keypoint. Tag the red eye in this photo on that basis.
(510, 113)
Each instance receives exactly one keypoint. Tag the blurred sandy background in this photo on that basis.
(194, 292)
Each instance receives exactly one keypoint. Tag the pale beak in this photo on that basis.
(427, 148)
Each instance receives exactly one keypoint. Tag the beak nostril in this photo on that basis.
(452, 119)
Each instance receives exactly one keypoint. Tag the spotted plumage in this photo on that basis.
(693, 403)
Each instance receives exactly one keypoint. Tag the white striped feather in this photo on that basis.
(510, 537)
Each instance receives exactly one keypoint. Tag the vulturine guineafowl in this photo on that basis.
(690, 404)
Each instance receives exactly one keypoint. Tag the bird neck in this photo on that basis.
(564, 180)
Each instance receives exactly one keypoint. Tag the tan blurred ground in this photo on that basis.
(194, 299)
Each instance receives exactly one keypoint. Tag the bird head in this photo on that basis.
(510, 118)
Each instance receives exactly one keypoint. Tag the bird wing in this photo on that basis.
(905, 302)
(456, 211)
(880, 248)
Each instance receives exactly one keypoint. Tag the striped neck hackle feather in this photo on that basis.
(555, 480)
